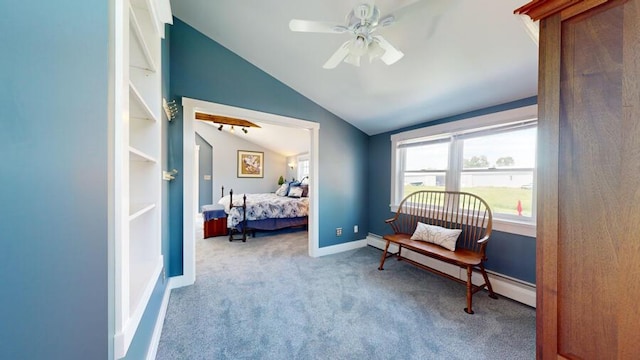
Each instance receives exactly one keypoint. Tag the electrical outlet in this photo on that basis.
(338, 231)
(355, 229)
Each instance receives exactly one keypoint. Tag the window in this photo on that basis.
(303, 166)
(499, 168)
(492, 156)
(425, 166)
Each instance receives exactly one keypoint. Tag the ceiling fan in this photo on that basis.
(361, 22)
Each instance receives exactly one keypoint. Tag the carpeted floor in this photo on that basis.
(267, 299)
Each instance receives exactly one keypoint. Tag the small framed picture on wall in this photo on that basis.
(250, 164)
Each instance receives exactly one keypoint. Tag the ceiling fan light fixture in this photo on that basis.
(361, 22)
(375, 51)
(352, 59)
(358, 46)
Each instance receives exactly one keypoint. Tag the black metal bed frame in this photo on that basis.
(234, 233)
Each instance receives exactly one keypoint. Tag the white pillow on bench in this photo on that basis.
(447, 238)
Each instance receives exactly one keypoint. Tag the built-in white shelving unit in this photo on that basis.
(138, 254)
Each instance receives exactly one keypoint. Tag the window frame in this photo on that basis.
(300, 159)
(506, 224)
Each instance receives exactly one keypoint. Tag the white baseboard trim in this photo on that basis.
(180, 281)
(334, 249)
(157, 330)
(514, 289)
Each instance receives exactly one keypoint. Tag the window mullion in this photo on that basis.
(402, 166)
(455, 165)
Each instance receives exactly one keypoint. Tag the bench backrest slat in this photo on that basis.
(448, 209)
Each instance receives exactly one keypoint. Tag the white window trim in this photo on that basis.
(299, 159)
(520, 114)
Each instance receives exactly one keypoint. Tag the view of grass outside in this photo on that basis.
(503, 200)
(497, 165)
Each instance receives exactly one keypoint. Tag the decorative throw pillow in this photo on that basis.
(282, 190)
(447, 238)
(290, 185)
(305, 190)
(295, 191)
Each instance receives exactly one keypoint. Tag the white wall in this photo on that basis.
(225, 152)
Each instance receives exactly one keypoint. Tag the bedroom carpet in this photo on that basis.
(267, 299)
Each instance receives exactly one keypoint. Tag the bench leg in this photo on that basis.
(384, 255)
(468, 309)
(486, 281)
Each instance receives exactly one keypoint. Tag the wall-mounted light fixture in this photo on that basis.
(170, 108)
(223, 120)
(292, 165)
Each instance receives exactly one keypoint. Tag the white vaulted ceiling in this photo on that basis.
(473, 55)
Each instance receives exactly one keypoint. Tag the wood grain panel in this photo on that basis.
(542, 9)
(628, 315)
(225, 120)
(590, 161)
(588, 251)
(547, 188)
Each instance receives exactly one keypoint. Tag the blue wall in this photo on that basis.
(205, 187)
(508, 254)
(54, 151)
(203, 69)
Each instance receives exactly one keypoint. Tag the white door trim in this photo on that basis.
(190, 106)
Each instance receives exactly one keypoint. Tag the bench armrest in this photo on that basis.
(392, 223)
(483, 240)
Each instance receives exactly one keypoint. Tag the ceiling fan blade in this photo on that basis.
(315, 26)
(391, 54)
(338, 56)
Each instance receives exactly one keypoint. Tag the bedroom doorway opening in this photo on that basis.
(190, 195)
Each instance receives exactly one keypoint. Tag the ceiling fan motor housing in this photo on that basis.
(362, 11)
(363, 14)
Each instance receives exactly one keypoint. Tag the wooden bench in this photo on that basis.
(450, 210)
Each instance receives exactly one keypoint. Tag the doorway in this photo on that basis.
(190, 203)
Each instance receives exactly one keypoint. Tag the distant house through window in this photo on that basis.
(492, 156)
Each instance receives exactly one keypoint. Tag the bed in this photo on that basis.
(247, 213)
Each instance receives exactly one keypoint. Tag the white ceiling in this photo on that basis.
(271, 137)
(475, 54)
